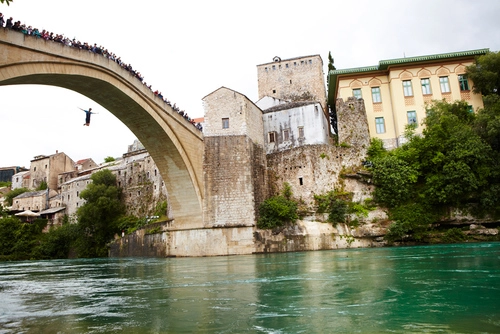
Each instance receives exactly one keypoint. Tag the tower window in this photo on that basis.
(225, 123)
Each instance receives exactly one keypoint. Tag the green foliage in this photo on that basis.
(287, 191)
(5, 184)
(485, 74)
(153, 230)
(411, 221)
(324, 155)
(376, 149)
(331, 67)
(340, 207)
(43, 186)
(276, 211)
(13, 193)
(130, 224)
(98, 217)
(7, 2)
(57, 243)
(18, 239)
(454, 235)
(109, 159)
(394, 178)
(333, 203)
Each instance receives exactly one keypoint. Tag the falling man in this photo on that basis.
(87, 116)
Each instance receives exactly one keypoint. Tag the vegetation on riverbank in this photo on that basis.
(453, 167)
(86, 235)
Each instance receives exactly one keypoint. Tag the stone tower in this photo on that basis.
(352, 123)
(295, 79)
(234, 163)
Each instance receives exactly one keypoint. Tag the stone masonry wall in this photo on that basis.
(289, 79)
(235, 180)
(352, 123)
(310, 170)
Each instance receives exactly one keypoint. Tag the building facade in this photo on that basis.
(47, 169)
(398, 92)
(294, 79)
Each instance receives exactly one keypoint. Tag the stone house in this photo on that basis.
(47, 169)
(137, 175)
(85, 164)
(234, 163)
(21, 180)
(35, 201)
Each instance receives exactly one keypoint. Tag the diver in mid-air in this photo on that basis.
(87, 116)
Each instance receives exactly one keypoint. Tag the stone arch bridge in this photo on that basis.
(175, 145)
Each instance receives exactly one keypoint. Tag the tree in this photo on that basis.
(485, 74)
(98, 217)
(109, 159)
(7, 2)
(331, 67)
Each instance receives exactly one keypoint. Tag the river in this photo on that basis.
(422, 289)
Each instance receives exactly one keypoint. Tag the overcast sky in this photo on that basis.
(187, 49)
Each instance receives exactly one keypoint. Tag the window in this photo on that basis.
(301, 132)
(445, 85)
(379, 124)
(357, 93)
(286, 135)
(286, 65)
(225, 123)
(376, 95)
(470, 109)
(412, 117)
(463, 82)
(407, 89)
(272, 137)
(426, 86)
(274, 67)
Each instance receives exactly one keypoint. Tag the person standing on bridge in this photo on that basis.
(87, 116)
(2, 20)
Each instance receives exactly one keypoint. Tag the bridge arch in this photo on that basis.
(175, 145)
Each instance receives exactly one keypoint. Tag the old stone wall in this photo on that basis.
(309, 235)
(235, 180)
(313, 169)
(295, 79)
(141, 243)
(352, 124)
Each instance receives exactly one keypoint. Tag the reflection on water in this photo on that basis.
(432, 289)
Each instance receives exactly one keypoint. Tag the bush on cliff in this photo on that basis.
(278, 210)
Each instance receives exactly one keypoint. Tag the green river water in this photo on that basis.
(424, 289)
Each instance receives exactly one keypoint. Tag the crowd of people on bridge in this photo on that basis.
(50, 36)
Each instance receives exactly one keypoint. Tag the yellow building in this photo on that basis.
(397, 91)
